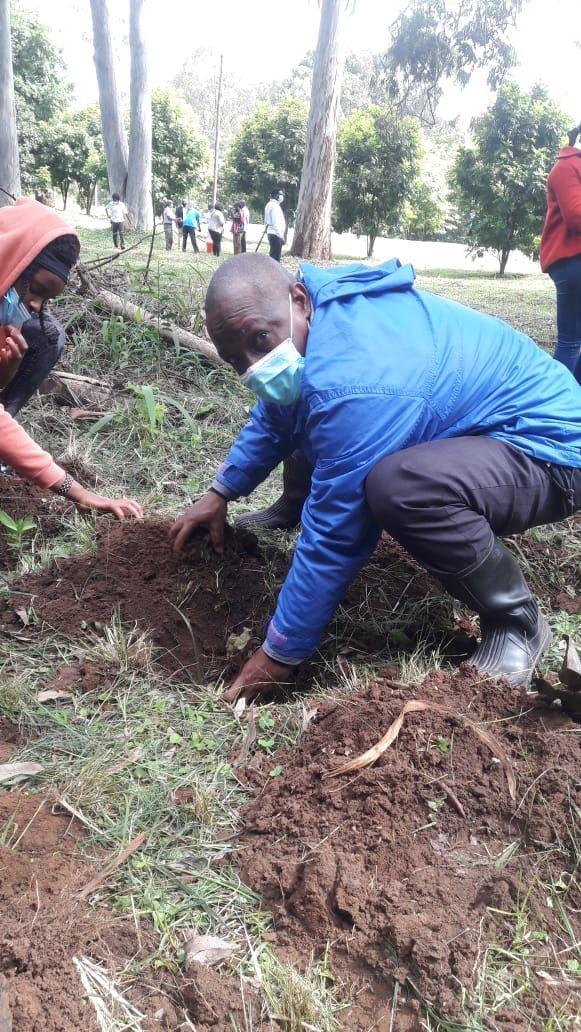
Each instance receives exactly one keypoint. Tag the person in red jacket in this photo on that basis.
(560, 252)
(37, 251)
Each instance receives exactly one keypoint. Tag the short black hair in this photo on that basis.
(115, 197)
(276, 191)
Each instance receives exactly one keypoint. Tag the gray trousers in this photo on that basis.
(445, 501)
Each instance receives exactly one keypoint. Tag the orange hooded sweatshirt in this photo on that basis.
(25, 228)
(562, 230)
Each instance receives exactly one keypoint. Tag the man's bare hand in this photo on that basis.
(258, 677)
(209, 512)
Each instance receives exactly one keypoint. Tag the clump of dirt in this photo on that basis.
(405, 867)
(191, 605)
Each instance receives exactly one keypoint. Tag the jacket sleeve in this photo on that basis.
(18, 450)
(568, 195)
(265, 441)
(338, 530)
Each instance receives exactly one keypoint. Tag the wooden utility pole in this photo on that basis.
(217, 134)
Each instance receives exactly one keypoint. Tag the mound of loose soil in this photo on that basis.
(191, 605)
(403, 866)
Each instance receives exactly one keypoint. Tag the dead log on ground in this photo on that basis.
(115, 305)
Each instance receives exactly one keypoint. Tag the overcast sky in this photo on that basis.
(263, 41)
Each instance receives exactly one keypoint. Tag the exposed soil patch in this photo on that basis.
(191, 605)
(409, 868)
(44, 926)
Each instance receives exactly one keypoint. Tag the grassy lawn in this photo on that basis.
(123, 754)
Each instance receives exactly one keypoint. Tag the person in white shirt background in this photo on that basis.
(215, 223)
(117, 213)
(168, 219)
(275, 223)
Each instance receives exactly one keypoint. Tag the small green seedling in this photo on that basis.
(16, 530)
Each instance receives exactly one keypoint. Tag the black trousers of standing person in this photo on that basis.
(118, 229)
(243, 242)
(189, 231)
(275, 243)
(445, 501)
(216, 241)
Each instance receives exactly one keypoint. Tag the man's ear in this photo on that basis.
(301, 297)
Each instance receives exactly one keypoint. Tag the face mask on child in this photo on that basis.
(12, 311)
(278, 376)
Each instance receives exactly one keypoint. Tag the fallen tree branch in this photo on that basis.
(114, 304)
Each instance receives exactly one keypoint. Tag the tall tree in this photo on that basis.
(180, 156)
(312, 235)
(139, 195)
(502, 177)
(434, 41)
(9, 163)
(114, 134)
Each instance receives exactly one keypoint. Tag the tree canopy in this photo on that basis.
(40, 88)
(267, 152)
(378, 160)
(502, 176)
(180, 155)
(438, 40)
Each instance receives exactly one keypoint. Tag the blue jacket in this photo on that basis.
(388, 367)
(192, 218)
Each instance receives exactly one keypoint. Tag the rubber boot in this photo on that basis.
(285, 513)
(514, 634)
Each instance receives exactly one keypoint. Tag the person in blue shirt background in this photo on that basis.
(192, 221)
(443, 426)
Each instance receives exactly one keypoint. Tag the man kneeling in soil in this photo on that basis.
(438, 424)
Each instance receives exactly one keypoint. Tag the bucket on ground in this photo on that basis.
(209, 246)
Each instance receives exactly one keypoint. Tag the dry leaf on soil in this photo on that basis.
(207, 949)
(418, 706)
(50, 694)
(18, 771)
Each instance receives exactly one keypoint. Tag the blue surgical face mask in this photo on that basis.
(278, 376)
(12, 311)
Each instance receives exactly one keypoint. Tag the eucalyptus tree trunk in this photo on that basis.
(139, 196)
(112, 124)
(9, 162)
(312, 236)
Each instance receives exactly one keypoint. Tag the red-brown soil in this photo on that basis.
(408, 868)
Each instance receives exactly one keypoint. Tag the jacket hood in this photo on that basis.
(25, 228)
(569, 152)
(348, 280)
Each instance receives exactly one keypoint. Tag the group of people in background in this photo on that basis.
(186, 220)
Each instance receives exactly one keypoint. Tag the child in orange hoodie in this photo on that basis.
(37, 251)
